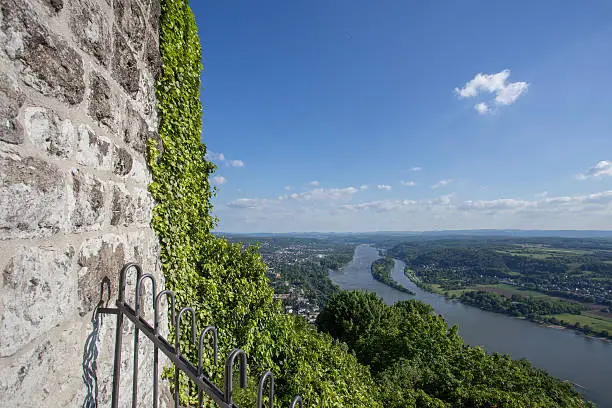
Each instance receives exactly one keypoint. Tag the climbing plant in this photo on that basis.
(224, 282)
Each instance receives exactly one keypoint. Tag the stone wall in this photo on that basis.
(77, 106)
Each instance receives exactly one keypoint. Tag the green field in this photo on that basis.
(597, 323)
(509, 290)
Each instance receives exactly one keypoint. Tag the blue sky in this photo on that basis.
(399, 115)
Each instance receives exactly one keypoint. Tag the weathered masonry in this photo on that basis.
(77, 106)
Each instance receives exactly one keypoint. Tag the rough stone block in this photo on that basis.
(125, 67)
(134, 129)
(46, 61)
(139, 173)
(32, 197)
(154, 13)
(146, 97)
(54, 6)
(11, 99)
(153, 56)
(129, 208)
(87, 204)
(38, 291)
(122, 161)
(93, 151)
(71, 366)
(101, 102)
(130, 18)
(91, 28)
(49, 132)
(100, 257)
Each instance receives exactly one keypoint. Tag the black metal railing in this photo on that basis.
(173, 353)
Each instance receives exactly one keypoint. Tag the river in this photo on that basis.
(563, 353)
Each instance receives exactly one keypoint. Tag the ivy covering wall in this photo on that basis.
(223, 282)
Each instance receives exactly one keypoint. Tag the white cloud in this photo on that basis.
(505, 93)
(509, 94)
(499, 204)
(323, 194)
(576, 202)
(444, 201)
(603, 168)
(416, 168)
(220, 159)
(249, 203)
(384, 187)
(541, 195)
(442, 183)
(288, 188)
(381, 205)
(408, 183)
(482, 108)
(364, 187)
(210, 155)
(584, 211)
(218, 180)
(314, 183)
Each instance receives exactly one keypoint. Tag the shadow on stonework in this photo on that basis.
(90, 352)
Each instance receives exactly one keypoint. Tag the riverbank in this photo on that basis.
(588, 326)
(381, 271)
(563, 353)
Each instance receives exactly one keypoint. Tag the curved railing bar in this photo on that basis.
(213, 330)
(177, 341)
(126, 267)
(229, 365)
(260, 388)
(177, 347)
(136, 331)
(296, 400)
(139, 292)
(169, 295)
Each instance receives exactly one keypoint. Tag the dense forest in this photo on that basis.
(381, 271)
(518, 305)
(416, 360)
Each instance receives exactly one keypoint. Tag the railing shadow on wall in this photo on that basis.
(90, 350)
(196, 375)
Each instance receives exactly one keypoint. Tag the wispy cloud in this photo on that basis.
(219, 159)
(323, 194)
(482, 108)
(603, 168)
(384, 187)
(506, 93)
(408, 183)
(218, 180)
(314, 183)
(603, 198)
(416, 168)
(249, 203)
(380, 205)
(364, 187)
(442, 183)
